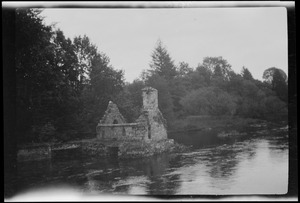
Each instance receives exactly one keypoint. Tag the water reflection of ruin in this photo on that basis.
(141, 176)
(157, 171)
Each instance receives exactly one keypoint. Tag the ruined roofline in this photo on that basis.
(150, 125)
(148, 88)
(112, 106)
(116, 125)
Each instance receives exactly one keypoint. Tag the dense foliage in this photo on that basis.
(213, 88)
(64, 85)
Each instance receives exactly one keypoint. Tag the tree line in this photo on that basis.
(63, 85)
(213, 88)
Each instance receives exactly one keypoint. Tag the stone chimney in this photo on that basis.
(157, 125)
(150, 98)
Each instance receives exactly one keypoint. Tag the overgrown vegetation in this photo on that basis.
(64, 85)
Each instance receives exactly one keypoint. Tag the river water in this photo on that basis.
(257, 164)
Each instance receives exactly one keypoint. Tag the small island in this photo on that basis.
(145, 137)
(115, 137)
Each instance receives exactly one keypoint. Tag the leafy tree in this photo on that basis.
(184, 69)
(105, 84)
(209, 101)
(130, 100)
(280, 86)
(65, 58)
(218, 66)
(269, 74)
(233, 86)
(35, 71)
(104, 79)
(277, 79)
(218, 71)
(85, 52)
(248, 97)
(135, 89)
(63, 87)
(201, 77)
(274, 109)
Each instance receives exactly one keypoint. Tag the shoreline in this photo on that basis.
(219, 127)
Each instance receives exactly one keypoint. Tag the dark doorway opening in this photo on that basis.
(149, 132)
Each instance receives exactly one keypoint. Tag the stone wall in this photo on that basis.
(44, 150)
(126, 131)
(105, 128)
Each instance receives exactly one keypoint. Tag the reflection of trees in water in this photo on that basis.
(164, 185)
(279, 142)
(249, 149)
(223, 161)
(278, 146)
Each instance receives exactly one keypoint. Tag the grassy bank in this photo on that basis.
(191, 123)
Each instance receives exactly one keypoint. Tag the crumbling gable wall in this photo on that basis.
(112, 115)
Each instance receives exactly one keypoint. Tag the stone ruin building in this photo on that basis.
(150, 126)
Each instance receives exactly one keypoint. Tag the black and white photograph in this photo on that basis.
(149, 101)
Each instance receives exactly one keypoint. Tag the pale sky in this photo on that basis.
(252, 37)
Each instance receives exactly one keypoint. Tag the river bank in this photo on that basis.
(206, 123)
(246, 166)
(93, 147)
(213, 127)
(202, 131)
